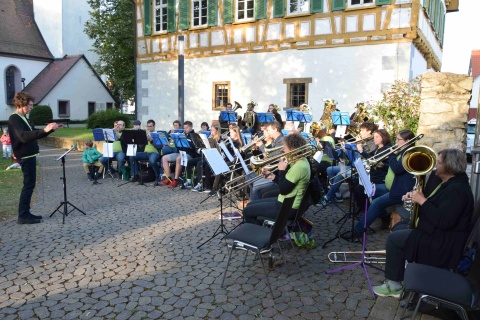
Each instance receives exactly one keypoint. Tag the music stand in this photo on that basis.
(265, 117)
(107, 135)
(370, 191)
(218, 166)
(228, 116)
(65, 202)
(181, 142)
(163, 137)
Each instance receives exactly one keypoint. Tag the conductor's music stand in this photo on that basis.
(370, 191)
(65, 202)
(265, 117)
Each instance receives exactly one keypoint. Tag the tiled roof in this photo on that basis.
(19, 34)
(475, 63)
(46, 80)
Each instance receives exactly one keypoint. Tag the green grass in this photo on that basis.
(10, 187)
(73, 133)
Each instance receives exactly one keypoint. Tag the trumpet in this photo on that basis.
(376, 159)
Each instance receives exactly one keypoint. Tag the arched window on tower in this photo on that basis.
(12, 83)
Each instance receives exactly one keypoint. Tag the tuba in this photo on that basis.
(358, 117)
(237, 106)
(249, 116)
(326, 119)
(419, 161)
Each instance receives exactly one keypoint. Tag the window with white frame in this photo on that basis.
(298, 6)
(221, 94)
(160, 15)
(199, 13)
(63, 108)
(356, 3)
(245, 9)
(297, 91)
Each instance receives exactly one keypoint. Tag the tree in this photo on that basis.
(112, 28)
(399, 107)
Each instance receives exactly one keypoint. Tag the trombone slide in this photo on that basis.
(356, 256)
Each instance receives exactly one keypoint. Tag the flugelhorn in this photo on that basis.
(376, 159)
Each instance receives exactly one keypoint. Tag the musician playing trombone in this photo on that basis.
(291, 183)
(444, 224)
(366, 131)
(398, 181)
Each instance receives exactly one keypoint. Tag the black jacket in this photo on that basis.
(24, 137)
(444, 225)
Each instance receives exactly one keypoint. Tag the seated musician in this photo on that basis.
(274, 131)
(366, 131)
(171, 148)
(291, 182)
(398, 181)
(381, 138)
(273, 108)
(191, 153)
(250, 119)
(204, 126)
(118, 151)
(203, 168)
(304, 108)
(149, 154)
(444, 224)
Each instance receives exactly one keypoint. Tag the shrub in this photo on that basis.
(41, 115)
(105, 119)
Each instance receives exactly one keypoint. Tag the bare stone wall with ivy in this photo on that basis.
(444, 110)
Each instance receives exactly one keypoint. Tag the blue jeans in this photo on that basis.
(144, 156)
(331, 172)
(29, 170)
(258, 186)
(376, 209)
(119, 156)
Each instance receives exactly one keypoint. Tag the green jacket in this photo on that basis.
(91, 155)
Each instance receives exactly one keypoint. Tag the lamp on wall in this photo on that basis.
(23, 83)
(181, 75)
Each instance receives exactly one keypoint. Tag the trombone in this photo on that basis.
(356, 256)
(373, 161)
(340, 145)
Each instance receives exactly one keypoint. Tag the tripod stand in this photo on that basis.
(65, 202)
(221, 229)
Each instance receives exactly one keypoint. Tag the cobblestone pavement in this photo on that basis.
(134, 256)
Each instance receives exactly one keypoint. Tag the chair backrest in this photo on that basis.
(281, 221)
(305, 202)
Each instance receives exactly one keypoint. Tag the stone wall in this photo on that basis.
(444, 110)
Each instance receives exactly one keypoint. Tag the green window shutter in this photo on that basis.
(227, 11)
(382, 2)
(316, 6)
(260, 9)
(184, 15)
(171, 16)
(212, 6)
(147, 17)
(338, 5)
(279, 8)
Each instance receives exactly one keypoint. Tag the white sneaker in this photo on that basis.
(188, 185)
(198, 187)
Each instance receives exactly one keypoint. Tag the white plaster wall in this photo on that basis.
(418, 63)
(475, 93)
(29, 69)
(79, 86)
(346, 74)
(48, 16)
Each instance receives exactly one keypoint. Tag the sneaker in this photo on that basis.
(338, 198)
(188, 185)
(285, 237)
(324, 201)
(173, 184)
(207, 190)
(198, 187)
(386, 291)
(165, 182)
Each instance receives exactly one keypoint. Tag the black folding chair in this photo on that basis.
(256, 238)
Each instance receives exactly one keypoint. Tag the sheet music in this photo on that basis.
(108, 149)
(318, 156)
(183, 158)
(340, 132)
(364, 178)
(215, 160)
(295, 124)
(307, 126)
(205, 140)
(225, 150)
(109, 134)
(244, 165)
(131, 150)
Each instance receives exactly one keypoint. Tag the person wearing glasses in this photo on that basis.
(149, 154)
(397, 181)
(23, 136)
